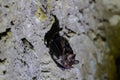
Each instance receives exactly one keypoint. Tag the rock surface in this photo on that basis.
(23, 24)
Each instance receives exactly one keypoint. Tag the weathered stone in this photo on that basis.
(112, 6)
(23, 25)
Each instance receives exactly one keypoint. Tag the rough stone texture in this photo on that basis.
(113, 6)
(112, 13)
(23, 24)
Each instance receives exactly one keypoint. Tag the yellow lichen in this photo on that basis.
(40, 14)
(9, 34)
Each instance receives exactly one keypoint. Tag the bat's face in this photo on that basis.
(69, 61)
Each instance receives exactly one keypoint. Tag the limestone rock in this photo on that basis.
(23, 24)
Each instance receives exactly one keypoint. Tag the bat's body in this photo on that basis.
(60, 49)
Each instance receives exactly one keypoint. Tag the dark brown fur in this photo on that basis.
(60, 49)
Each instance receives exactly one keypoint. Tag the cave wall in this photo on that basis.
(23, 24)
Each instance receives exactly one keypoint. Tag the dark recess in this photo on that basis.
(117, 63)
(12, 23)
(4, 72)
(3, 60)
(6, 6)
(27, 43)
(34, 78)
(4, 33)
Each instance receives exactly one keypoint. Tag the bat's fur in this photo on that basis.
(60, 49)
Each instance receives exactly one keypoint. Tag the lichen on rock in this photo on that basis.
(86, 25)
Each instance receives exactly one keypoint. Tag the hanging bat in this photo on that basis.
(59, 47)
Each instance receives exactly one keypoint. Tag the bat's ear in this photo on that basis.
(73, 55)
(76, 62)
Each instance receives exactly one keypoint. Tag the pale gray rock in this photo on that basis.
(23, 24)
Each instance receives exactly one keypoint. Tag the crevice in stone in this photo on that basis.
(45, 71)
(27, 43)
(62, 79)
(103, 20)
(95, 36)
(100, 37)
(34, 78)
(92, 1)
(117, 63)
(4, 72)
(81, 11)
(6, 6)
(23, 61)
(12, 23)
(3, 60)
(70, 31)
(5, 33)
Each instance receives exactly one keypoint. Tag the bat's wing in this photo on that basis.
(58, 62)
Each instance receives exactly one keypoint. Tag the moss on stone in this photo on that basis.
(113, 37)
(40, 14)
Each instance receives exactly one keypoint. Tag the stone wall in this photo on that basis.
(23, 24)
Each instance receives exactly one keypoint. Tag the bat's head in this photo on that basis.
(70, 60)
